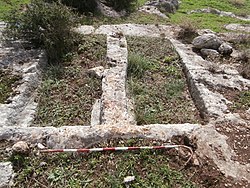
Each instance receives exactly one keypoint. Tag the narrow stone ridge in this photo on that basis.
(114, 101)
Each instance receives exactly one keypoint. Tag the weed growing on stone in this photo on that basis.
(160, 92)
(7, 83)
(68, 92)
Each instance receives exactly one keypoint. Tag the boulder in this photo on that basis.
(168, 6)
(209, 53)
(208, 41)
(225, 49)
(20, 147)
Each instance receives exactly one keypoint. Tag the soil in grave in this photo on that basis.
(151, 168)
(238, 139)
(157, 83)
(8, 81)
(68, 92)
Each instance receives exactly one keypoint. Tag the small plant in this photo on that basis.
(242, 100)
(46, 25)
(18, 160)
(137, 65)
(188, 30)
(174, 88)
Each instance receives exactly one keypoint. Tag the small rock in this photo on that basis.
(225, 49)
(96, 72)
(196, 162)
(42, 164)
(208, 41)
(20, 147)
(209, 53)
(129, 179)
(40, 146)
(248, 111)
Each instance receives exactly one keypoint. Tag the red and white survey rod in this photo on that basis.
(85, 150)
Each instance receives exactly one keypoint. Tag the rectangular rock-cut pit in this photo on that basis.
(157, 84)
(69, 90)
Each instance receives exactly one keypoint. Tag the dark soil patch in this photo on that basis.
(238, 139)
(5, 150)
(8, 82)
(68, 92)
(157, 83)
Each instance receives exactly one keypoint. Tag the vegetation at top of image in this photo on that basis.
(7, 82)
(48, 26)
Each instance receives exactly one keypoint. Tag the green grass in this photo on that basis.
(224, 5)
(68, 92)
(209, 21)
(107, 169)
(242, 101)
(7, 5)
(157, 84)
(7, 82)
